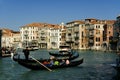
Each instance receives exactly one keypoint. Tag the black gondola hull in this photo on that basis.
(33, 65)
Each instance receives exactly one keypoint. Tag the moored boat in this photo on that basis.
(64, 50)
(69, 57)
(60, 54)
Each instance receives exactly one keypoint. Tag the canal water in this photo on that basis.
(96, 66)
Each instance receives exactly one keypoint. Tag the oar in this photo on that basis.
(41, 63)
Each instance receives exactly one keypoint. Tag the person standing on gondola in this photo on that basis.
(26, 53)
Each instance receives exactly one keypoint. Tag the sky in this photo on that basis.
(17, 13)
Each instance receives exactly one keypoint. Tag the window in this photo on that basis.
(69, 34)
(97, 31)
(82, 46)
(97, 39)
(97, 44)
(82, 40)
(82, 34)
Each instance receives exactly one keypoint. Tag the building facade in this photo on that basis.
(89, 33)
(29, 35)
(116, 33)
(42, 35)
(76, 35)
(94, 29)
(84, 34)
(10, 38)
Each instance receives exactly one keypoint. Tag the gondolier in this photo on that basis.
(26, 53)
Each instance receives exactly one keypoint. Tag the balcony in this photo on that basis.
(77, 38)
(76, 42)
(16, 41)
(91, 35)
(43, 36)
(91, 28)
(69, 40)
(91, 41)
(26, 35)
(42, 42)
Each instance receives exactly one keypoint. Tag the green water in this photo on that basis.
(96, 66)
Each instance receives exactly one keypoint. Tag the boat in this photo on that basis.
(6, 55)
(34, 65)
(33, 48)
(60, 54)
(64, 50)
(72, 57)
(116, 67)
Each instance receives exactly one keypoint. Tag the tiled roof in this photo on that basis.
(76, 21)
(110, 21)
(42, 25)
(8, 32)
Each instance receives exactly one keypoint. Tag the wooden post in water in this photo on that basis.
(0, 43)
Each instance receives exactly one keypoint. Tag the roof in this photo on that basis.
(77, 21)
(41, 25)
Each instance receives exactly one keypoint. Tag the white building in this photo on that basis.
(42, 35)
(29, 35)
(55, 38)
(10, 38)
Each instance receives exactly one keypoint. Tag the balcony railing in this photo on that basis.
(42, 42)
(77, 37)
(91, 41)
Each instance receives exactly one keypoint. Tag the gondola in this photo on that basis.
(64, 50)
(70, 57)
(34, 65)
(16, 57)
(63, 53)
(66, 56)
(58, 54)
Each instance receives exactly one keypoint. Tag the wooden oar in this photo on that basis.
(41, 63)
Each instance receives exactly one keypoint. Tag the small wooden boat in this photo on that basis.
(116, 67)
(34, 65)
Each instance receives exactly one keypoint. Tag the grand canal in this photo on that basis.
(96, 66)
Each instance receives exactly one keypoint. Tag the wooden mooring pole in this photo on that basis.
(0, 43)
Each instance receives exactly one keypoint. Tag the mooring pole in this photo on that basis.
(0, 43)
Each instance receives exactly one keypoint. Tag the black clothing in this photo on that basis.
(26, 53)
